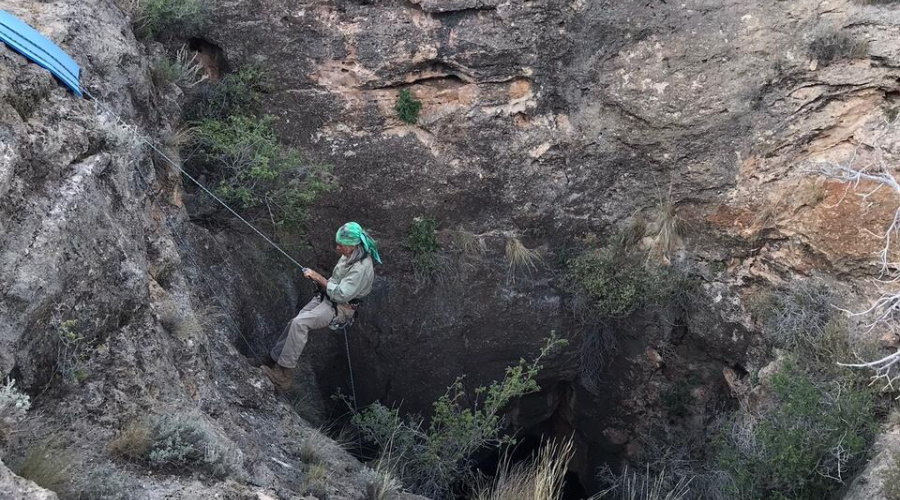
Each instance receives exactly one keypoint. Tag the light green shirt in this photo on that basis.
(351, 282)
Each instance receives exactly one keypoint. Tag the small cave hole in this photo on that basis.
(211, 57)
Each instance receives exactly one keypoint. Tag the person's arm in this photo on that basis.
(348, 288)
(318, 278)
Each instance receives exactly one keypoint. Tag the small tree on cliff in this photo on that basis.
(868, 170)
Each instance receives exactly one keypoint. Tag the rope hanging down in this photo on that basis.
(195, 181)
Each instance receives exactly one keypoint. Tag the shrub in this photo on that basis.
(48, 466)
(613, 282)
(407, 107)
(14, 404)
(183, 70)
(183, 17)
(172, 441)
(379, 483)
(106, 483)
(834, 45)
(804, 445)
(431, 459)
(254, 170)
(429, 262)
(237, 94)
(666, 230)
(540, 479)
(72, 353)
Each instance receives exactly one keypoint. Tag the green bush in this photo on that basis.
(803, 446)
(834, 45)
(49, 466)
(236, 94)
(428, 258)
(182, 17)
(431, 459)
(614, 282)
(253, 169)
(174, 441)
(14, 404)
(407, 107)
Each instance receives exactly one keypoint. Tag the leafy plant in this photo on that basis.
(237, 94)
(255, 170)
(805, 445)
(430, 459)
(182, 17)
(407, 107)
(428, 259)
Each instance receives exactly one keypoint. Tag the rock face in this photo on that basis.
(542, 120)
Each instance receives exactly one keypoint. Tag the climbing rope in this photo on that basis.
(350, 366)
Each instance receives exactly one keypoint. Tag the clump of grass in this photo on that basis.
(833, 45)
(183, 70)
(173, 441)
(647, 485)
(48, 466)
(666, 231)
(317, 480)
(181, 17)
(540, 479)
(408, 107)
(379, 483)
(521, 259)
(468, 243)
(311, 449)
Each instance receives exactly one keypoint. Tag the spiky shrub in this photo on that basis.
(183, 70)
(542, 478)
(254, 170)
(431, 459)
(804, 445)
(407, 107)
(666, 230)
(834, 45)
(182, 17)
(796, 315)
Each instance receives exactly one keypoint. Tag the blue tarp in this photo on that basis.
(27, 41)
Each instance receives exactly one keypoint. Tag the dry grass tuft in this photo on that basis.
(666, 230)
(48, 466)
(317, 480)
(135, 441)
(646, 486)
(520, 258)
(469, 244)
(380, 483)
(311, 449)
(542, 479)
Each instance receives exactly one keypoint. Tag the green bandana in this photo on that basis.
(352, 234)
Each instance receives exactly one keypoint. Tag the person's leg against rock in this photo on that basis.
(288, 350)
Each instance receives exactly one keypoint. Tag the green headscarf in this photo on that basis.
(352, 234)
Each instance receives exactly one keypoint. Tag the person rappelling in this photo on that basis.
(334, 305)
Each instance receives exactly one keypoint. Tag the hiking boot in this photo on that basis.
(264, 360)
(280, 376)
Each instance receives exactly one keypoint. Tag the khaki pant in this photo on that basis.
(316, 314)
